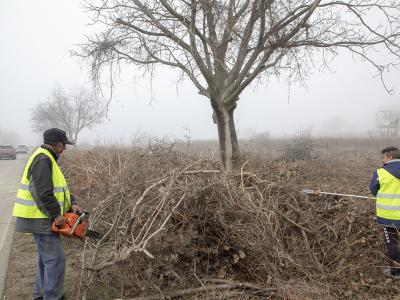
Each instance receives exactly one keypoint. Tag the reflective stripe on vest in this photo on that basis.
(388, 197)
(55, 190)
(31, 202)
(25, 206)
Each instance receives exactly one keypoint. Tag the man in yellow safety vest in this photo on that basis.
(385, 185)
(43, 197)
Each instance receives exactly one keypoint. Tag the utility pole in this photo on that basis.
(388, 122)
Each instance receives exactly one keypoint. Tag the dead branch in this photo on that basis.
(209, 288)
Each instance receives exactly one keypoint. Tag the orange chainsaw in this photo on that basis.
(75, 225)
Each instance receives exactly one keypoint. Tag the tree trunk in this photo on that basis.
(75, 138)
(228, 143)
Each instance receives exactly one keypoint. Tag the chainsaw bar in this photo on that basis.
(93, 234)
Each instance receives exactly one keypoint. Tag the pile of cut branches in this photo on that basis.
(175, 227)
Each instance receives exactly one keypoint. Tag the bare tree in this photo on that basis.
(80, 109)
(224, 45)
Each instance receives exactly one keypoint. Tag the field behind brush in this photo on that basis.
(248, 236)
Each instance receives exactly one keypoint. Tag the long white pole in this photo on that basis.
(317, 193)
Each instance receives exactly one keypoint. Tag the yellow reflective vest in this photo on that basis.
(25, 206)
(388, 197)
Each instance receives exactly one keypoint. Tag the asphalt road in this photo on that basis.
(10, 175)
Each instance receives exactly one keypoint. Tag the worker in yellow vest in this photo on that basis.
(385, 185)
(43, 197)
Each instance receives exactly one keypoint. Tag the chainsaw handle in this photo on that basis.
(59, 221)
(77, 222)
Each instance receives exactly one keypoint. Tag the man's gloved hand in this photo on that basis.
(77, 209)
(59, 221)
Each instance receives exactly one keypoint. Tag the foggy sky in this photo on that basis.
(36, 37)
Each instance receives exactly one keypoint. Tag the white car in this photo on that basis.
(7, 151)
(22, 149)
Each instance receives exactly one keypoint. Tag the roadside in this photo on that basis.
(7, 227)
(10, 171)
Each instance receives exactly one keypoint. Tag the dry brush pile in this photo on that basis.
(174, 227)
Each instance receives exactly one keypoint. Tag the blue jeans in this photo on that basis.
(49, 281)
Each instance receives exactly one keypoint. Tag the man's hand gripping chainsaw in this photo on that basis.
(75, 225)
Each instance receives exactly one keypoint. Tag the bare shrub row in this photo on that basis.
(174, 227)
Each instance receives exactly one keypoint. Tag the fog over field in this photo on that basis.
(36, 37)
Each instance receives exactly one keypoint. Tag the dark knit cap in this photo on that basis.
(54, 136)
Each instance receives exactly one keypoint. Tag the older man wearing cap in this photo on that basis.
(42, 198)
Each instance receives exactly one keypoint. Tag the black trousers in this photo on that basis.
(392, 244)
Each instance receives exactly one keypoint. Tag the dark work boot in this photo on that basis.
(393, 273)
